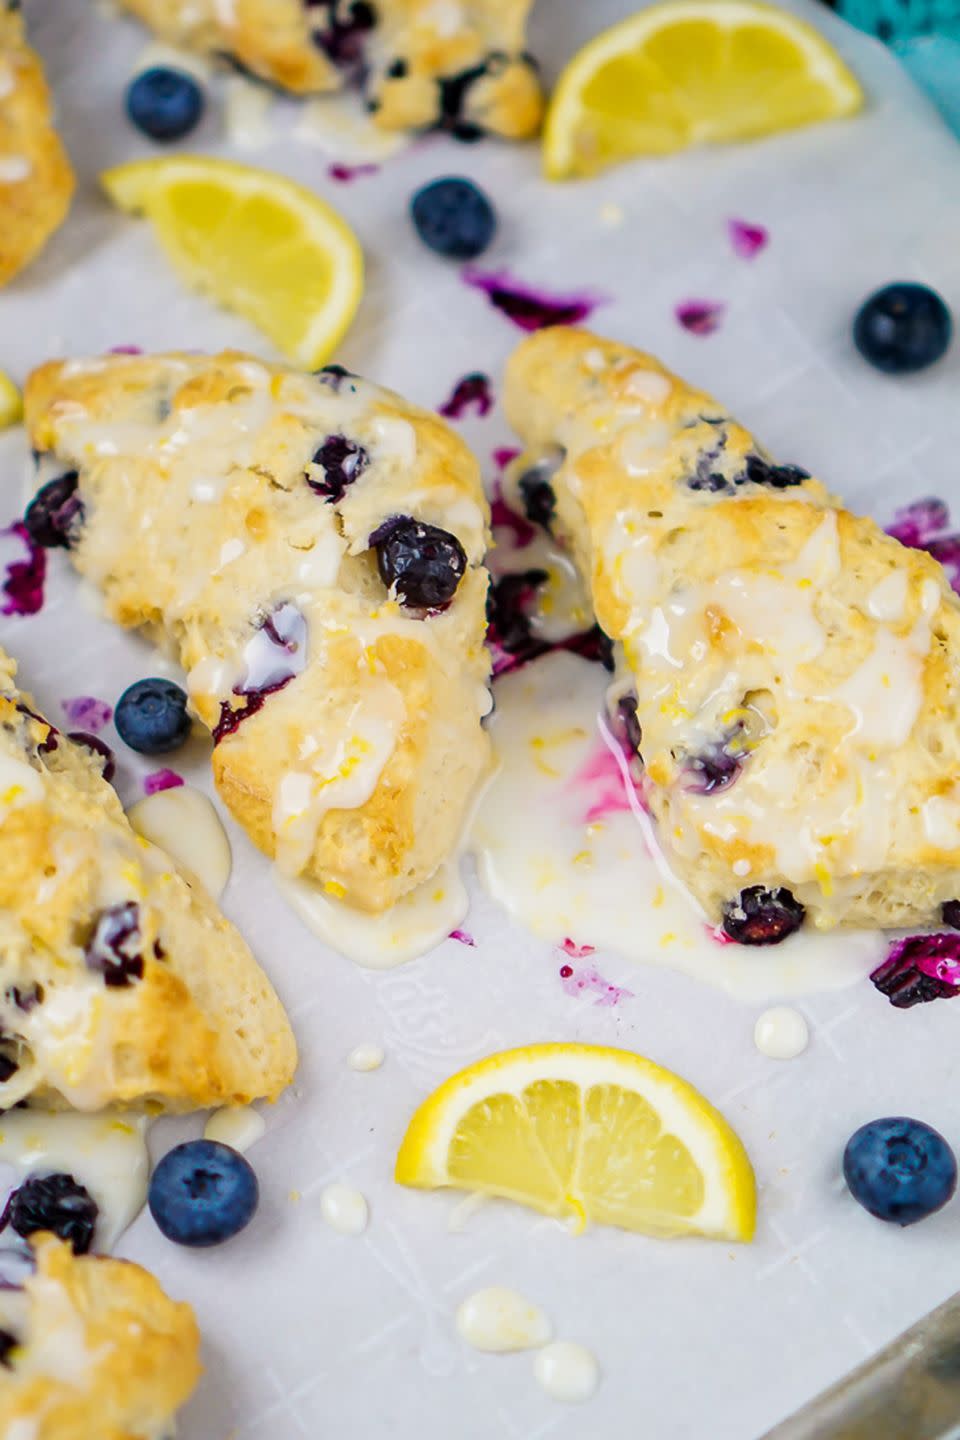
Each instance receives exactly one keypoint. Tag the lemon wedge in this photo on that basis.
(11, 403)
(586, 1132)
(687, 72)
(257, 242)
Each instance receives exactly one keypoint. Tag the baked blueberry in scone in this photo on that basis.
(310, 548)
(420, 64)
(793, 674)
(36, 181)
(120, 983)
(93, 1347)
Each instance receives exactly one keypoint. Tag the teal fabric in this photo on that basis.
(925, 34)
(934, 62)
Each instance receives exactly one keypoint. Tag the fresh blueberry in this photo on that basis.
(341, 461)
(8, 1342)
(453, 217)
(899, 1169)
(151, 717)
(421, 562)
(762, 917)
(164, 103)
(55, 514)
(902, 328)
(203, 1193)
(53, 1202)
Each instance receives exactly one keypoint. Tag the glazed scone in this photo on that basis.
(795, 671)
(120, 983)
(258, 520)
(93, 1347)
(421, 63)
(36, 181)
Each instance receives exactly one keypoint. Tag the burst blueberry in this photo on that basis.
(97, 747)
(901, 1170)
(203, 1193)
(151, 716)
(340, 461)
(53, 1202)
(342, 29)
(454, 217)
(903, 328)
(777, 477)
(165, 103)
(760, 916)
(114, 945)
(421, 563)
(55, 514)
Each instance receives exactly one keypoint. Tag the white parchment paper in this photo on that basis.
(310, 1333)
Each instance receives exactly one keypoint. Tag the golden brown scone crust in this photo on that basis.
(763, 625)
(202, 526)
(36, 181)
(409, 52)
(102, 1352)
(197, 1024)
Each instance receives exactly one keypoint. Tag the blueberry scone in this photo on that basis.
(92, 1347)
(120, 983)
(310, 549)
(421, 63)
(793, 673)
(36, 181)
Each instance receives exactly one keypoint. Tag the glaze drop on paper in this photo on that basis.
(781, 1033)
(567, 1371)
(366, 1057)
(344, 1209)
(499, 1320)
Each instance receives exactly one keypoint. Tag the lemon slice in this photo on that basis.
(259, 243)
(688, 72)
(11, 403)
(588, 1132)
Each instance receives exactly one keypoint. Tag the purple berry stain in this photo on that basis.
(464, 937)
(125, 350)
(471, 395)
(531, 309)
(700, 317)
(916, 524)
(23, 584)
(87, 712)
(606, 776)
(159, 780)
(924, 525)
(585, 979)
(343, 174)
(918, 969)
(747, 239)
